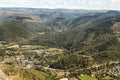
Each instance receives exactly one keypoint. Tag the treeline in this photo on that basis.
(73, 61)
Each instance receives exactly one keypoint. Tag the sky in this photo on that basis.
(68, 4)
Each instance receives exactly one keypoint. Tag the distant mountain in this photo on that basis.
(91, 18)
(47, 21)
(49, 14)
(44, 21)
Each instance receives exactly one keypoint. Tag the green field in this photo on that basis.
(87, 77)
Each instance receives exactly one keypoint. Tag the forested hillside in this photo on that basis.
(95, 39)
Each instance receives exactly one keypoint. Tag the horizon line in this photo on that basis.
(61, 8)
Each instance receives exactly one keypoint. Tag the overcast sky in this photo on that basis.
(69, 4)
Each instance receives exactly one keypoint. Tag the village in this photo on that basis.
(39, 57)
(31, 56)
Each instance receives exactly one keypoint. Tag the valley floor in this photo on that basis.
(38, 59)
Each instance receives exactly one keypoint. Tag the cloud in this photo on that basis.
(97, 4)
(72, 4)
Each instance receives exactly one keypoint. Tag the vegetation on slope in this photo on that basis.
(14, 31)
(97, 41)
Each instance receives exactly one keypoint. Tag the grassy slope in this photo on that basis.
(14, 31)
(86, 77)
